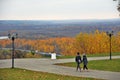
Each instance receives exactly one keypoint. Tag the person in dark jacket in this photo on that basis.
(78, 61)
(85, 61)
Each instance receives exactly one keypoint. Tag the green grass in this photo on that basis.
(105, 65)
(103, 54)
(91, 55)
(64, 57)
(22, 74)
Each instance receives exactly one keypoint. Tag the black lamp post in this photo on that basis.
(110, 36)
(13, 36)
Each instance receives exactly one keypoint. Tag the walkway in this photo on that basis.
(46, 65)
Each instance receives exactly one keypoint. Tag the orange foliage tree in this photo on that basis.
(90, 43)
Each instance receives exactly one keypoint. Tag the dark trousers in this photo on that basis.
(78, 66)
(85, 67)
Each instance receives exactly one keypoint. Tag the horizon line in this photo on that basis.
(56, 19)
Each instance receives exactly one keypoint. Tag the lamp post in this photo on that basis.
(13, 36)
(110, 36)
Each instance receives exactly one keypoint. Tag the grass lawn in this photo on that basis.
(22, 74)
(105, 65)
(103, 54)
(91, 55)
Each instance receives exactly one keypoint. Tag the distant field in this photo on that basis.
(21, 74)
(35, 29)
(105, 65)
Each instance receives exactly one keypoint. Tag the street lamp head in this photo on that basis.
(9, 35)
(110, 33)
(13, 35)
(16, 35)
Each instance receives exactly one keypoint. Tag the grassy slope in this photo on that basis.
(91, 55)
(106, 65)
(21, 74)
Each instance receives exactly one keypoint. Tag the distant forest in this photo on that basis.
(41, 29)
(64, 37)
(92, 43)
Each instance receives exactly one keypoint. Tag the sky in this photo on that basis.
(57, 9)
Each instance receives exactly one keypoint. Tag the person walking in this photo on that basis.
(78, 61)
(85, 61)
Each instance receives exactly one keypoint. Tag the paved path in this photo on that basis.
(46, 65)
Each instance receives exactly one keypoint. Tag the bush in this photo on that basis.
(6, 54)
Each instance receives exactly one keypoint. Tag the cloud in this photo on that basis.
(56, 9)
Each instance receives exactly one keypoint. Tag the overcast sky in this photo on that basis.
(57, 9)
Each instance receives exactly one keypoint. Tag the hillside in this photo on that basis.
(56, 28)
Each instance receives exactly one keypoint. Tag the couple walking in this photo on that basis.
(79, 61)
